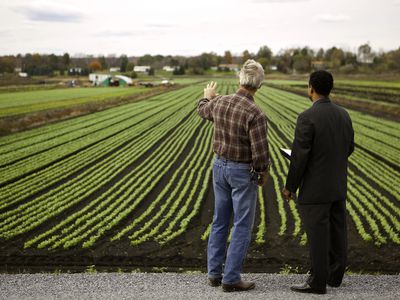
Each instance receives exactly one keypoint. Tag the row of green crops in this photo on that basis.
(141, 172)
(15, 103)
(374, 192)
(182, 198)
(88, 163)
(48, 171)
(104, 212)
(387, 93)
(88, 136)
(373, 195)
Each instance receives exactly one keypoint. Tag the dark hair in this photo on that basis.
(322, 82)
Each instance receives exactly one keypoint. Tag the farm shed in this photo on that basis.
(108, 80)
(124, 80)
(100, 79)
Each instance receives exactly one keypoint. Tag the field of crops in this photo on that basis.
(135, 181)
(385, 92)
(16, 103)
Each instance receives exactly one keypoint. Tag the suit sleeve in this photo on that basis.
(352, 139)
(302, 146)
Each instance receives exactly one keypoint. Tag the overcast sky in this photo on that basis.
(180, 27)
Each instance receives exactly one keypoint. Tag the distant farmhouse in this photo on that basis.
(75, 71)
(365, 58)
(115, 69)
(20, 73)
(273, 67)
(141, 69)
(23, 74)
(168, 69)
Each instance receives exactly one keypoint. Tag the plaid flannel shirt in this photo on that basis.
(240, 128)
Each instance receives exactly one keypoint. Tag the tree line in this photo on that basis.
(293, 60)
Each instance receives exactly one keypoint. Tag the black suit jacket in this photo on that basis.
(324, 139)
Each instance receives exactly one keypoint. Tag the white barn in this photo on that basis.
(142, 69)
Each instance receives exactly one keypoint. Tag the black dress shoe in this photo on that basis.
(306, 288)
(214, 281)
(335, 285)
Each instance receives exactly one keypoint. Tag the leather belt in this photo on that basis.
(245, 162)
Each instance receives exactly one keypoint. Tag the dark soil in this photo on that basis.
(188, 251)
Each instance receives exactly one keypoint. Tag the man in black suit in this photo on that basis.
(324, 139)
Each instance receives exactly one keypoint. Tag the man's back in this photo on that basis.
(328, 134)
(323, 141)
(240, 128)
(240, 142)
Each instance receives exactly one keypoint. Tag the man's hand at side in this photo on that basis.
(263, 178)
(287, 194)
(210, 90)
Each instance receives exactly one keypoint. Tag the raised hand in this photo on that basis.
(210, 90)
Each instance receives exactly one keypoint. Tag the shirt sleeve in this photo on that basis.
(205, 108)
(259, 143)
(302, 145)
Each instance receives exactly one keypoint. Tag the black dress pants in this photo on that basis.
(325, 225)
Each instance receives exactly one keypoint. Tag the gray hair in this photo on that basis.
(251, 74)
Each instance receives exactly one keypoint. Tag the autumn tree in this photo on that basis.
(95, 65)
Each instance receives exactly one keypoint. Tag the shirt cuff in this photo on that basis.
(203, 99)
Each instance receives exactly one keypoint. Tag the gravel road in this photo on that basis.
(182, 286)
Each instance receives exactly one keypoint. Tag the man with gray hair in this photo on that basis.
(241, 165)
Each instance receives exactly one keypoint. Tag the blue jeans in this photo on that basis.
(236, 192)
